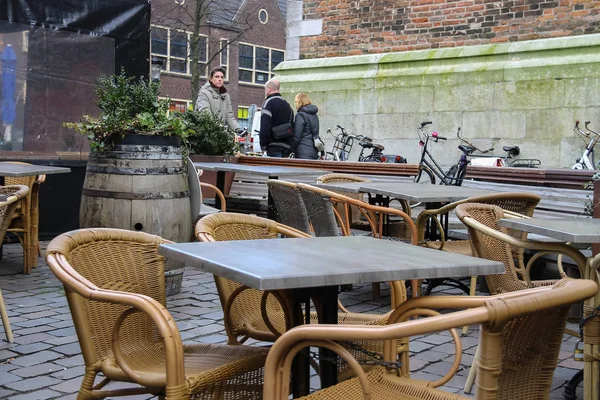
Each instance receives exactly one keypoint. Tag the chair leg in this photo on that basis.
(472, 373)
(85, 391)
(472, 291)
(5, 321)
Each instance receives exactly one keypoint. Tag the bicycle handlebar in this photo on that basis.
(425, 123)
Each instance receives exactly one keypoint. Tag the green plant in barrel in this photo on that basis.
(128, 105)
(208, 135)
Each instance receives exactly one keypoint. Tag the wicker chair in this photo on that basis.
(25, 224)
(323, 207)
(114, 283)
(355, 215)
(290, 207)
(493, 242)
(243, 306)
(521, 203)
(8, 207)
(521, 334)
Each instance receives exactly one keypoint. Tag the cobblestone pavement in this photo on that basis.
(45, 362)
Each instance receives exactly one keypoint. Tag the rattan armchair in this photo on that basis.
(114, 283)
(521, 203)
(25, 224)
(520, 339)
(252, 313)
(493, 242)
(13, 194)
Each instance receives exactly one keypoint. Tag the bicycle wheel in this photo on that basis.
(456, 175)
(425, 176)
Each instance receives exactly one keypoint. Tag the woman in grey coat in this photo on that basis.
(306, 128)
(214, 97)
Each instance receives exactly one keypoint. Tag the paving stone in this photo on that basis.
(63, 332)
(39, 369)
(71, 361)
(7, 377)
(34, 338)
(38, 395)
(6, 394)
(418, 346)
(6, 354)
(69, 373)
(69, 386)
(432, 356)
(26, 385)
(436, 339)
(31, 348)
(57, 341)
(36, 358)
(70, 349)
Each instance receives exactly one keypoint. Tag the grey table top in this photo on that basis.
(417, 192)
(575, 230)
(267, 170)
(324, 261)
(19, 170)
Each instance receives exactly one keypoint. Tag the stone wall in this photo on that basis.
(524, 93)
(365, 27)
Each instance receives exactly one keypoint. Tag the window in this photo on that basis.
(263, 16)
(173, 48)
(180, 105)
(257, 63)
(224, 45)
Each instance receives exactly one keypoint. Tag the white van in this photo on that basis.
(255, 133)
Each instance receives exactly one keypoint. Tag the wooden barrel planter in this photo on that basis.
(139, 185)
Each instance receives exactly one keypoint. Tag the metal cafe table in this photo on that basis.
(270, 171)
(316, 267)
(575, 230)
(20, 170)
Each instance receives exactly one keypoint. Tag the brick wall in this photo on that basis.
(363, 27)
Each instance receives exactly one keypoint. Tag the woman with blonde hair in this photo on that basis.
(306, 128)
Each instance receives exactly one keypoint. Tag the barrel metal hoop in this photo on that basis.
(135, 196)
(132, 155)
(135, 171)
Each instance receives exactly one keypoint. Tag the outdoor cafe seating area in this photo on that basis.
(346, 289)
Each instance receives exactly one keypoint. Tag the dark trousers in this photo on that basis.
(276, 151)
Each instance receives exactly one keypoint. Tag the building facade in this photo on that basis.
(517, 72)
(246, 38)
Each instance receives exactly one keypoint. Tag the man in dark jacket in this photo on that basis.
(275, 111)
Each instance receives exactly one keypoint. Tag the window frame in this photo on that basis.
(166, 69)
(254, 71)
(225, 65)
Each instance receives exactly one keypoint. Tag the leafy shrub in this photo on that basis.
(208, 135)
(128, 106)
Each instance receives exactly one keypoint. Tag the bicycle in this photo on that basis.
(345, 141)
(429, 169)
(587, 158)
(496, 161)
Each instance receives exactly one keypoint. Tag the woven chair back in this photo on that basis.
(355, 214)
(111, 259)
(233, 226)
(491, 248)
(320, 212)
(520, 357)
(290, 207)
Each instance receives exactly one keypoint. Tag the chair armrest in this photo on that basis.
(217, 192)
(162, 319)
